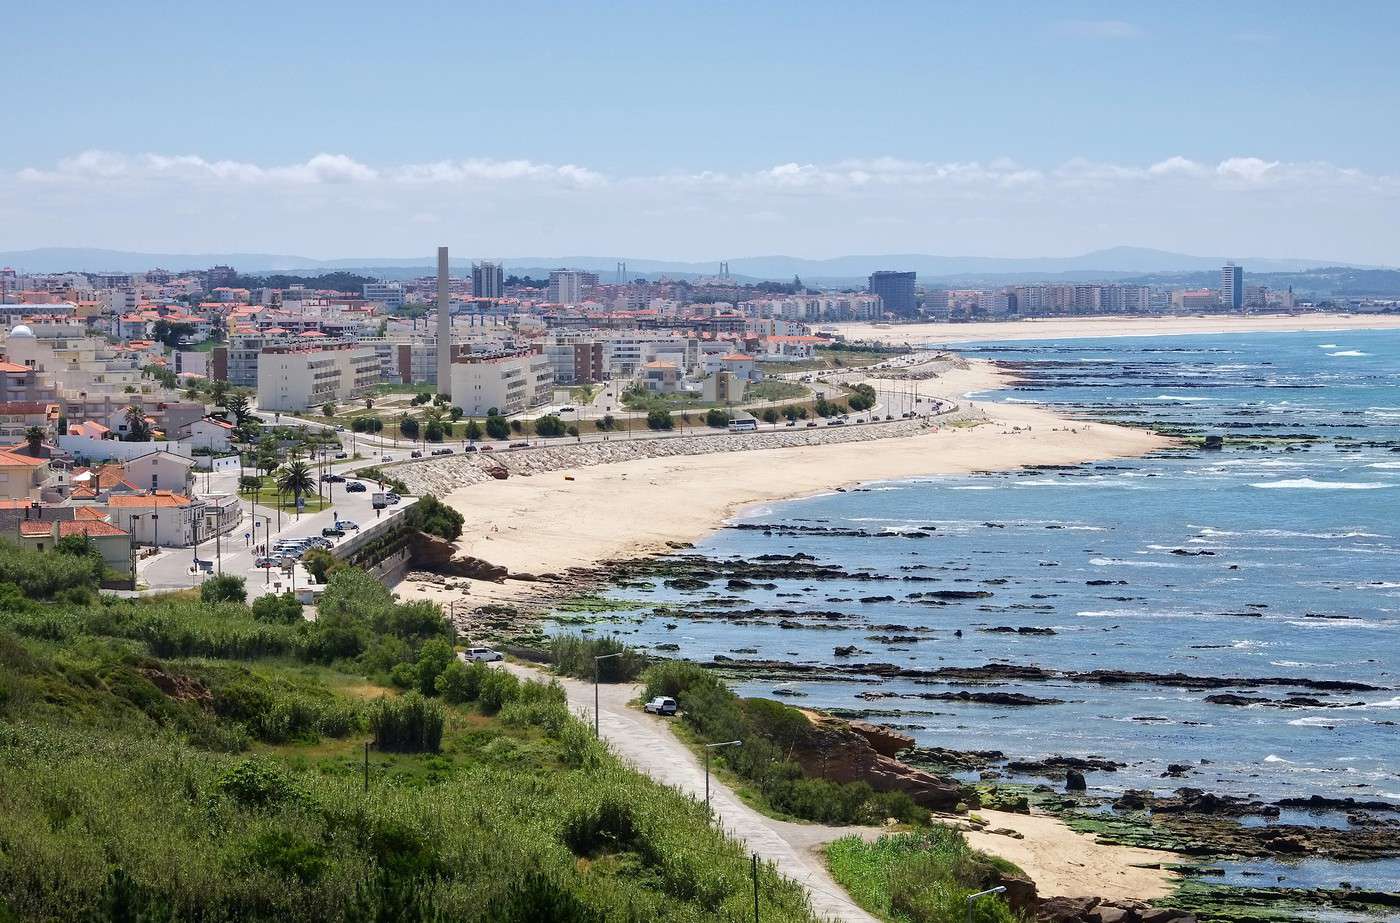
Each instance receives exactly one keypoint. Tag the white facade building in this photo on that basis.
(300, 377)
(511, 382)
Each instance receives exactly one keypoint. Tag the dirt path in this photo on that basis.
(1059, 861)
(646, 744)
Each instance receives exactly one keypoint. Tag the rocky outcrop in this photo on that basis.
(438, 556)
(834, 750)
(1097, 910)
(884, 740)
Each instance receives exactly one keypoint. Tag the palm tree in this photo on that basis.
(138, 429)
(34, 436)
(218, 393)
(295, 478)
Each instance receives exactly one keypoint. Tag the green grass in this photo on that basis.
(268, 497)
(922, 877)
(775, 390)
(166, 759)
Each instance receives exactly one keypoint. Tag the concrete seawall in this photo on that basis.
(440, 476)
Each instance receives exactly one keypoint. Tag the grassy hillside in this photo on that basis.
(170, 759)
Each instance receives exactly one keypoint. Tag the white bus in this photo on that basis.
(747, 425)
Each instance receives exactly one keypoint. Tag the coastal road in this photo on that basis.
(645, 742)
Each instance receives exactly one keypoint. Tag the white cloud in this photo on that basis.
(334, 204)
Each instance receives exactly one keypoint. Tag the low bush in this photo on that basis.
(408, 724)
(225, 588)
(575, 655)
(923, 877)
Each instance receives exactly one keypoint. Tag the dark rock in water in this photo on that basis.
(740, 584)
(1195, 553)
(948, 760)
(687, 583)
(789, 693)
(848, 650)
(867, 600)
(1105, 583)
(1322, 803)
(952, 594)
(1054, 765)
(1134, 799)
(1074, 781)
(980, 698)
(1176, 770)
(1021, 630)
(666, 647)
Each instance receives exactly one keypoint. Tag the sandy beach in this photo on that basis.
(578, 518)
(581, 517)
(1073, 327)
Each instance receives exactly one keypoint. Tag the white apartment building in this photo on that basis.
(301, 377)
(566, 286)
(389, 294)
(509, 382)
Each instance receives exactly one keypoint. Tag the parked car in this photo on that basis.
(811, 422)
(661, 705)
(356, 487)
(340, 455)
(264, 562)
(333, 478)
(836, 422)
(415, 454)
(483, 654)
(333, 532)
(386, 457)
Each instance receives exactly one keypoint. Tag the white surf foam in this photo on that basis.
(1312, 484)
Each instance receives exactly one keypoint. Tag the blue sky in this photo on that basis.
(698, 130)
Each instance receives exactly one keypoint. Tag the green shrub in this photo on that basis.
(433, 516)
(461, 682)
(549, 426)
(498, 687)
(409, 724)
(921, 877)
(277, 608)
(659, 419)
(716, 418)
(225, 588)
(433, 658)
(259, 783)
(574, 655)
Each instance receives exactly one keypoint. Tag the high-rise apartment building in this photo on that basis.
(566, 286)
(488, 280)
(896, 291)
(1232, 286)
(389, 294)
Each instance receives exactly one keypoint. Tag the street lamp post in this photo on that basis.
(596, 660)
(708, 748)
(999, 889)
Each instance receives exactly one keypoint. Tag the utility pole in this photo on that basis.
(755, 888)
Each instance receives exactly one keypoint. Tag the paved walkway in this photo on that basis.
(647, 744)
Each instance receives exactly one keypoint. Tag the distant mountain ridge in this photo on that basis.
(1115, 260)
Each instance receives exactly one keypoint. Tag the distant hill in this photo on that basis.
(1113, 262)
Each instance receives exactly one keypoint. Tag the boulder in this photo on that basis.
(834, 750)
(884, 740)
(1074, 781)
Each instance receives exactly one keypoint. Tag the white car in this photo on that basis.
(661, 705)
(347, 525)
(482, 654)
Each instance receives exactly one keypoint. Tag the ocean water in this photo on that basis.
(1276, 559)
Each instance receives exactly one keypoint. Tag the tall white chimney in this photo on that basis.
(444, 336)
